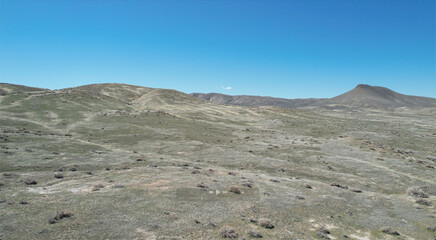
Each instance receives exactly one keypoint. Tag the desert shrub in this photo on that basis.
(7, 175)
(97, 187)
(338, 185)
(417, 192)
(24, 202)
(266, 223)
(433, 229)
(58, 175)
(423, 202)
(1, 184)
(59, 216)
(234, 189)
(356, 190)
(254, 233)
(30, 182)
(202, 185)
(322, 232)
(389, 230)
(195, 171)
(308, 186)
(228, 232)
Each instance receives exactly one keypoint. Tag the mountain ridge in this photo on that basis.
(362, 95)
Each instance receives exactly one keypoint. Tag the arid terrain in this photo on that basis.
(115, 161)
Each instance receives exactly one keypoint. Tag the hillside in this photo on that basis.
(362, 96)
(380, 97)
(116, 161)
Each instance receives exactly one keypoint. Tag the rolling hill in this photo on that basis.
(116, 161)
(362, 96)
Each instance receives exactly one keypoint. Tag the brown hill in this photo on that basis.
(361, 96)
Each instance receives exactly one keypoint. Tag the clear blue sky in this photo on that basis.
(290, 49)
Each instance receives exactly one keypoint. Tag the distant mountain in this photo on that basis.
(361, 96)
(380, 97)
(137, 97)
(254, 101)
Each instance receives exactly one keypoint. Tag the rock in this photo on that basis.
(254, 233)
(266, 223)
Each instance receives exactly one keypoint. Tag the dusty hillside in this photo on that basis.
(362, 96)
(114, 161)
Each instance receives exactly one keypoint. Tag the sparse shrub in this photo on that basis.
(416, 192)
(234, 189)
(202, 185)
(24, 202)
(308, 186)
(30, 182)
(247, 184)
(97, 187)
(197, 221)
(58, 175)
(423, 202)
(390, 231)
(139, 160)
(266, 223)
(232, 173)
(254, 233)
(323, 232)
(300, 197)
(356, 190)
(59, 216)
(433, 229)
(339, 185)
(118, 186)
(228, 232)
(1, 184)
(274, 180)
(7, 175)
(195, 171)
(73, 169)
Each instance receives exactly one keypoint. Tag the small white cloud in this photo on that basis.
(226, 88)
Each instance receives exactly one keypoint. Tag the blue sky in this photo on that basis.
(290, 49)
